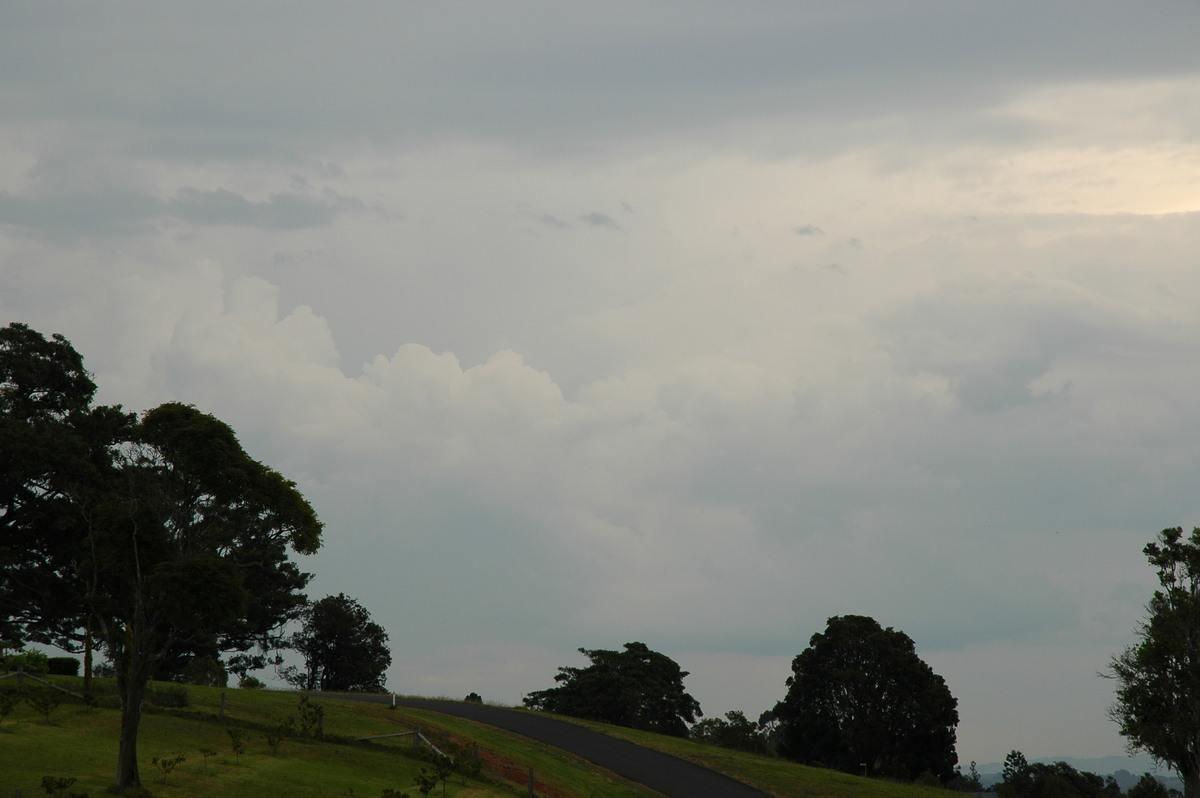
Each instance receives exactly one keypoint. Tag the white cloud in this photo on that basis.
(900, 333)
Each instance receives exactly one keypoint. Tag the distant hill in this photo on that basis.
(1133, 767)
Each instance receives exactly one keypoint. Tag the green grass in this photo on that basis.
(82, 744)
(769, 774)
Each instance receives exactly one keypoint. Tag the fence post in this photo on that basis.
(221, 712)
(475, 755)
(531, 782)
(417, 737)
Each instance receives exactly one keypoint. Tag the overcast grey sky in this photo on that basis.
(694, 323)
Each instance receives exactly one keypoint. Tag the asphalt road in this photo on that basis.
(669, 775)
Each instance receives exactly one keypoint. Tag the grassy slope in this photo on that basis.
(776, 776)
(82, 744)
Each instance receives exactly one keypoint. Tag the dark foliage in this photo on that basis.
(733, 731)
(157, 537)
(860, 698)
(1158, 679)
(1055, 780)
(343, 649)
(637, 687)
(62, 666)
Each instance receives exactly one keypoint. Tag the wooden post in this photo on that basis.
(221, 711)
(417, 737)
(475, 755)
(531, 782)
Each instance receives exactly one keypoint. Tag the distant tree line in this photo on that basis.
(1022, 779)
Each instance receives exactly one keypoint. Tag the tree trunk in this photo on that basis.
(87, 658)
(133, 693)
(1191, 785)
(133, 675)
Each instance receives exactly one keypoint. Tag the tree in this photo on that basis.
(860, 698)
(1148, 787)
(344, 651)
(55, 448)
(637, 687)
(966, 782)
(735, 731)
(1051, 780)
(154, 535)
(1157, 703)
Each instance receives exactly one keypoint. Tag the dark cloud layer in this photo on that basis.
(118, 211)
(215, 84)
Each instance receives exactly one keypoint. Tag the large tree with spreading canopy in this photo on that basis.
(636, 687)
(860, 698)
(343, 649)
(149, 535)
(1157, 702)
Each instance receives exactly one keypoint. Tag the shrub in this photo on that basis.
(166, 765)
(426, 781)
(9, 699)
(276, 732)
(44, 700)
(251, 683)
(34, 662)
(62, 666)
(312, 718)
(237, 741)
(56, 786)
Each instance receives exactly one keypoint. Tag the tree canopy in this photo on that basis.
(1157, 703)
(1053, 780)
(860, 697)
(344, 651)
(155, 535)
(636, 687)
(734, 731)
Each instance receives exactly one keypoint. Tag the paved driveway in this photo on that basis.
(669, 775)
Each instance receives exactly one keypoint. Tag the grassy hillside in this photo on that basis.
(80, 743)
(776, 776)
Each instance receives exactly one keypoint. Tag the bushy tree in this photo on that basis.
(734, 731)
(860, 697)
(343, 649)
(1052, 780)
(636, 687)
(154, 535)
(1157, 702)
(1148, 787)
(966, 782)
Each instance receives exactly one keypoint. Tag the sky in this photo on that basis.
(690, 323)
